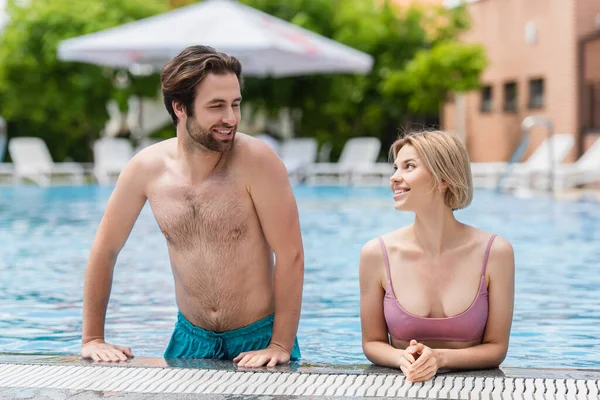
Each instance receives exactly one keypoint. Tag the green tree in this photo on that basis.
(63, 102)
(418, 61)
(418, 57)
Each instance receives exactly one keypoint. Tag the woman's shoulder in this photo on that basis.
(497, 244)
(372, 249)
(388, 242)
(500, 251)
(398, 236)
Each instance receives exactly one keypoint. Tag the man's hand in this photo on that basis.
(425, 365)
(271, 356)
(97, 350)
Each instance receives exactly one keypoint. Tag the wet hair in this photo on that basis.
(446, 157)
(182, 75)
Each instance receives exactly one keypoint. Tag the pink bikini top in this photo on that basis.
(466, 326)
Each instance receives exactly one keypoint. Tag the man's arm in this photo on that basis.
(122, 210)
(277, 211)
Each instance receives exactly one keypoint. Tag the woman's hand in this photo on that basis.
(424, 364)
(406, 361)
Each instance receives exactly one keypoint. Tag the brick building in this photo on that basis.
(544, 60)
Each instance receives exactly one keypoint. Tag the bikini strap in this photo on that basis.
(487, 253)
(385, 259)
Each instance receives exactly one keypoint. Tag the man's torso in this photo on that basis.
(221, 262)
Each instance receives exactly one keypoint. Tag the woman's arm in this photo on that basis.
(492, 351)
(375, 341)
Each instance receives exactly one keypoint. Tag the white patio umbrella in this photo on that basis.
(265, 45)
(3, 16)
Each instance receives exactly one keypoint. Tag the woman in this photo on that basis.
(443, 291)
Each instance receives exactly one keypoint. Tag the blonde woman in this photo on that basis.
(437, 294)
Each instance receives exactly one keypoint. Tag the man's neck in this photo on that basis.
(196, 161)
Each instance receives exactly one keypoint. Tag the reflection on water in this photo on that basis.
(45, 236)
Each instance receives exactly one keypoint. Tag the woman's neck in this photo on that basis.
(436, 229)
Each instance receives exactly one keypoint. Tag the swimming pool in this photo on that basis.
(45, 236)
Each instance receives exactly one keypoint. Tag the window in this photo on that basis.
(510, 96)
(486, 99)
(536, 93)
(591, 107)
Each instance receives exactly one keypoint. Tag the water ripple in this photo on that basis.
(46, 235)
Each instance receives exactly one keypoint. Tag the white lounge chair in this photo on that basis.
(324, 152)
(297, 154)
(377, 174)
(521, 175)
(487, 174)
(584, 171)
(110, 157)
(7, 172)
(358, 154)
(32, 160)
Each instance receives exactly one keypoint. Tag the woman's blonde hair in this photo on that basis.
(447, 160)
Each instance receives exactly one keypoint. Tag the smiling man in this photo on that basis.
(223, 201)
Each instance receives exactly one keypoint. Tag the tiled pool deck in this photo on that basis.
(62, 377)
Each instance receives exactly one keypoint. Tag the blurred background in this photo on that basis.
(330, 84)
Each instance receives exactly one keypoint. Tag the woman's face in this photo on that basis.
(413, 186)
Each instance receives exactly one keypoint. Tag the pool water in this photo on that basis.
(46, 234)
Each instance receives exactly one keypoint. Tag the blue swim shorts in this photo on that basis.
(190, 341)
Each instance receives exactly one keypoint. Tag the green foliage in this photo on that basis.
(431, 74)
(418, 60)
(62, 102)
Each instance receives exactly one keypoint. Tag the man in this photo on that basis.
(223, 201)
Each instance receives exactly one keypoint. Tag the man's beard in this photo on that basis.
(205, 137)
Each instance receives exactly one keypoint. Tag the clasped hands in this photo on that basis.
(419, 362)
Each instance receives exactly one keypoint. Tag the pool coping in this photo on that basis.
(24, 375)
(295, 367)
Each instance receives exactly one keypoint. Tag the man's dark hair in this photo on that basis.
(181, 76)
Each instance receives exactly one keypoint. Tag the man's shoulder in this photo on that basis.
(254, 150)
(153, 158)
(254, 143)
(257, 161)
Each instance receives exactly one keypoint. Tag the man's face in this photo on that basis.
(216, 112)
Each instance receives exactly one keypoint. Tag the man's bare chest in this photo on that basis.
(212, 214)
